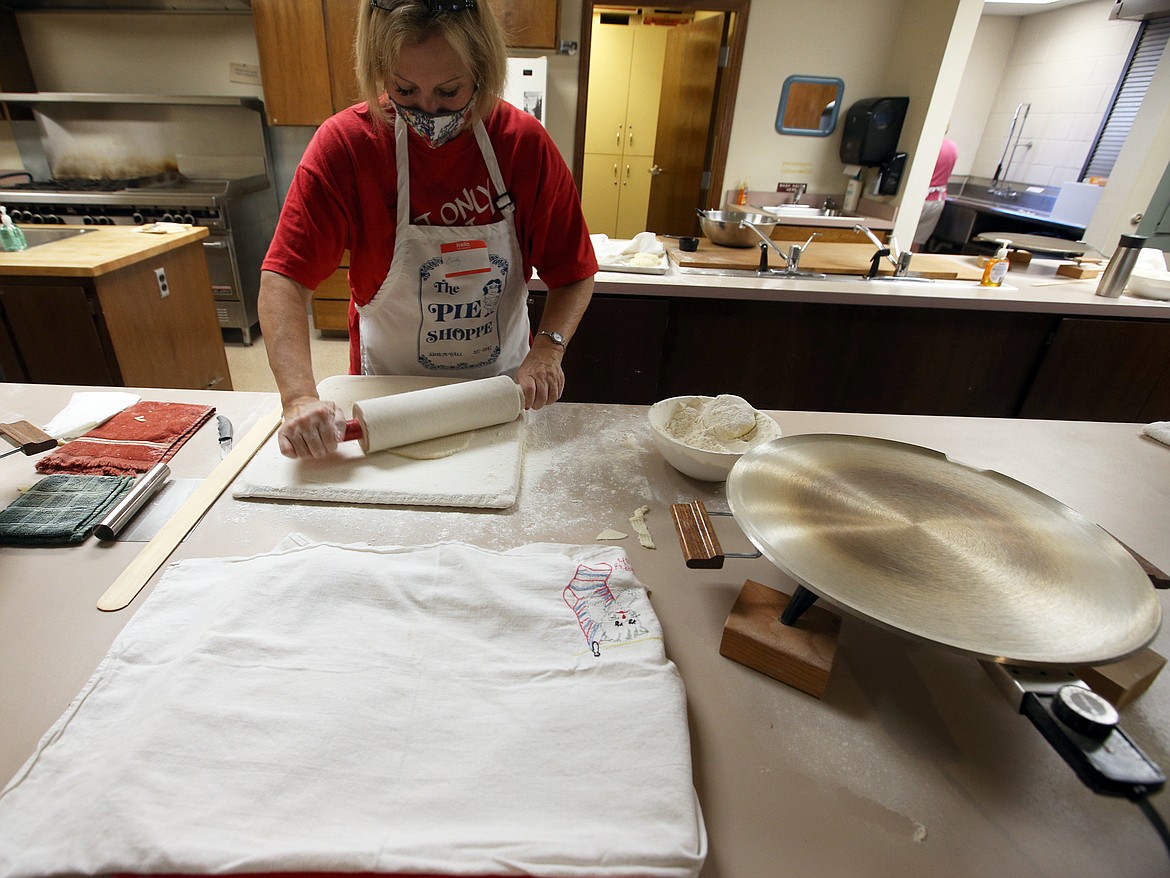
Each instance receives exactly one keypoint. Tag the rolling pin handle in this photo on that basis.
(353, 430)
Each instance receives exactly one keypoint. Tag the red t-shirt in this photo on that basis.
(344, 196)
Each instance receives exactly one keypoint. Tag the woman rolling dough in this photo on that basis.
(446, 197)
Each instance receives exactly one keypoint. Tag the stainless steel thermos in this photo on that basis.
(1120, 265)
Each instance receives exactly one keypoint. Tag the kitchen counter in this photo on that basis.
(101, 250)
(1035, 289)
(912, 760)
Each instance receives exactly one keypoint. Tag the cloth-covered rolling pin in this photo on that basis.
(417, 415)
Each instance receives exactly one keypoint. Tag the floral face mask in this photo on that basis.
(434, 128)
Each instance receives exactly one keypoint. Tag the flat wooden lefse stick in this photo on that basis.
(134, 578)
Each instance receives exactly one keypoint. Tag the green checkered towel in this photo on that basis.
(60, 510)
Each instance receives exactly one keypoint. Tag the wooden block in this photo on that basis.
(1121, 682)
(799, 655)
(1019, 258)
(1078, 271)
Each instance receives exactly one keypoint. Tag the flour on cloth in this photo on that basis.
(442, 709)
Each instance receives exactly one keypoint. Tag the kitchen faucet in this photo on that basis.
(900, 259)
(791, 258)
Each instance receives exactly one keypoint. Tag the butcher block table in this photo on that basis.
(912, 764)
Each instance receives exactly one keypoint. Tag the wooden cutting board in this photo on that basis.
(824, 257)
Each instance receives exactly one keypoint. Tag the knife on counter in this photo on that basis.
(225, 435)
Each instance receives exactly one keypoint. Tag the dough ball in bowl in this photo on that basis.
(703, 436)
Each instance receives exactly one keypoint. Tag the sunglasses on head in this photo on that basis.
(436, 7)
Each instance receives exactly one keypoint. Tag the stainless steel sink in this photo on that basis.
(37, 237)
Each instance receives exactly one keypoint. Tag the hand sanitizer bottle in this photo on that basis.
(11, 237)
(996, 267)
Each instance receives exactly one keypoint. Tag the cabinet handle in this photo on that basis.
(615, 173)
(617, 138)
(626, 182)
(631, 136)
(215, 245)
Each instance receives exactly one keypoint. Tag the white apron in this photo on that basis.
(454, 302)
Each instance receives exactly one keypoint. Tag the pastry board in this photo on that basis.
(486, 474)
(824, 257)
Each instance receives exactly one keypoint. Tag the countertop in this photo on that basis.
(1036, 288)
(912, 764)
(101, 250)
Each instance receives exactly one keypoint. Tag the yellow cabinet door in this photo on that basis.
(600, 191)
(634, 199)
(649, 56)
(609, 84)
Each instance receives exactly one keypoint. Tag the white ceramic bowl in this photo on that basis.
(1147, 284)
(706, 466)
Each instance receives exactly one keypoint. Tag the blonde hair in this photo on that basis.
(475, 34)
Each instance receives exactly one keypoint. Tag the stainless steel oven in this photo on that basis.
(240, 216)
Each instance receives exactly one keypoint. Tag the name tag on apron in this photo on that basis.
(461, 258)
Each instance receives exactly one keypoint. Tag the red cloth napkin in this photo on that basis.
(130, 442)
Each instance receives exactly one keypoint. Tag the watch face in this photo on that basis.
(555, 336)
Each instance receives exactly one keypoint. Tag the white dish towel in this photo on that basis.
(441, 709)
(1159, 430)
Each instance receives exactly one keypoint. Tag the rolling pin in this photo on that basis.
(417, 415)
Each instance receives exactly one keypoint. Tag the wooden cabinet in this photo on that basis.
(331, 301)
(530, 24)
(306, 51)
(854, 358)
(615, 354)
(116, 328)
(306, 62)
(625, 80)
(1104, 370)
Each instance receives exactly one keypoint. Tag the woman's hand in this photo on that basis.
(540, 376)
(311, 428)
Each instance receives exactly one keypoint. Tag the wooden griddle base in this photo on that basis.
(800, 655)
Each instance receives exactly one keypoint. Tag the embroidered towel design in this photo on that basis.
(60, 510)
(602, 616)
(131, 441)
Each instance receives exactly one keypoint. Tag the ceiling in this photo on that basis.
(1025, 8)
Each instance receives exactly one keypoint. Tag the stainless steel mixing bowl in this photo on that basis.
(723, 227)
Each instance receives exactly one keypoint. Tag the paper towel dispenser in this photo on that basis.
(871, 130)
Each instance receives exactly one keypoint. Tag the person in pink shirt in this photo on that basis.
(936, 196)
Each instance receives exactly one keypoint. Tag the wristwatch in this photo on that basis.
(556, 337)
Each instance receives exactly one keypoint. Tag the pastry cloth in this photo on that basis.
(130, 442)
(441, 709)
(60, 510)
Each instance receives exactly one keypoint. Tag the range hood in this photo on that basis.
(219, 6)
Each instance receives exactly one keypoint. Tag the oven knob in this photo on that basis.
(187, 218)
(137, 218)
(37, 218)
(1084, 711)
(167, 218)
(87, 220)
(21, 216)
(105, 221)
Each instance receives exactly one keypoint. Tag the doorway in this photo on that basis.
(702, 57)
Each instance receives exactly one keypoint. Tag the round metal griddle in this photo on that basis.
(1041, 244)
(965, 558)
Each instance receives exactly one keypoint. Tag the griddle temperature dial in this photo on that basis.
(1084, 711)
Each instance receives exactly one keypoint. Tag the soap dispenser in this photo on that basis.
(11, 237)
(997, 266)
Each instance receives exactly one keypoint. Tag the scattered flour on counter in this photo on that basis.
(724, 423)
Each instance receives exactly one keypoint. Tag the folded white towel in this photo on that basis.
(88, 409)
(1159, 430)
